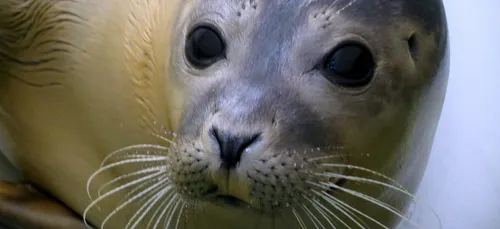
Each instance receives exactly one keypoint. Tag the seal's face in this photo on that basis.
(285, 103)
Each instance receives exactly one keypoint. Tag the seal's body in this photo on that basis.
(274, 114)
(79, 79)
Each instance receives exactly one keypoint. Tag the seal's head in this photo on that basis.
(289, 112)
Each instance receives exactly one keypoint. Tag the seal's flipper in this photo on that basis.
(23, 206)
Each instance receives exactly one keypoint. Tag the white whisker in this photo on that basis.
(368, 198)
(299, 219)
(397, 187)
(335, 200)
(324, 157)
(170, 203)
(163, 205)
(140, 172)
(313, 218)
(337, 207)
(163, 138)
(365, 170)
(366, 180)
(315, 205)
(132, 199)
(150, 204)
(351, 215)
(136, 147)
(140, 187)
(171, 215)
(180, 215)
(122, 187)
(345, 7)
(149, 199)
(101, 170)
(342, 210)
(333, 4)
(137, 155)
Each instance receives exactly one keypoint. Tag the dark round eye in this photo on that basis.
(204, 46)
(350, 65)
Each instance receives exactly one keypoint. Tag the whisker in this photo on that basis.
(167, 199)
(313, 217)
(310, 217)
(139, 187)
(168, 206)
(299, 219)
(365, 170)
(366, 180)
(140, 172)
(322, 207)
(315, 205)
(133, 147)
(326, 157)
(146, 208)
(351, 215)
(167, 223)
(342, 210)
(123, 205)
(164, 130)
(163, 138)
(138, 155)
(370, 199)
(103, 169)
(141, 211)
(345, 7)
(332, 5)
(396, 187)
(147, 197)
(122, 187)
(332, 198)
(180, 214)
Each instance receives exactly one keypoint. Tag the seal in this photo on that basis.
(273, 114)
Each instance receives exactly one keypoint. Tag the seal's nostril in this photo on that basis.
(232, 146)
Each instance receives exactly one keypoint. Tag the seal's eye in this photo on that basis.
(350, 65)
(204, 46)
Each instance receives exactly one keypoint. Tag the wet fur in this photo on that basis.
(267, 84)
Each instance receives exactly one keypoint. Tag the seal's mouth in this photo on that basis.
(230, 200)
(216, 197)
(227, 200)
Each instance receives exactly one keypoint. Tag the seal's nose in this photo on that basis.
(232, 146)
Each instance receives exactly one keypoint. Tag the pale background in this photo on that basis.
(463, 179)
